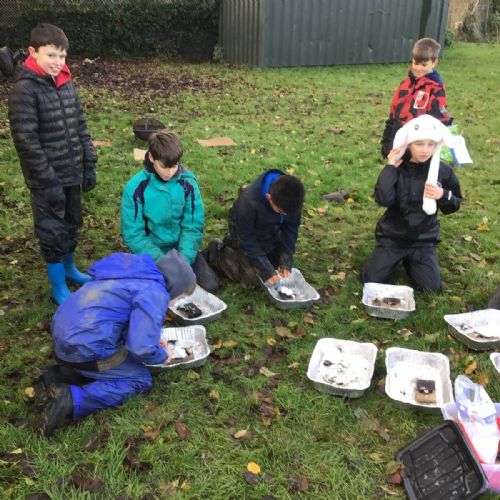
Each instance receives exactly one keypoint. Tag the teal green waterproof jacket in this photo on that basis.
(157, 216)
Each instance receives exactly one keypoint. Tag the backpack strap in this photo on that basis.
(188, 192)
(138, 196)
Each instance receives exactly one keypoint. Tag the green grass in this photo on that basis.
(283, 118)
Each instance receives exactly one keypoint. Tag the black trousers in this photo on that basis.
(420, 263)
(57, 216)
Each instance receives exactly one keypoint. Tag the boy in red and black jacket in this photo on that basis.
(422, 92)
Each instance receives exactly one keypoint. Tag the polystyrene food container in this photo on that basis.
(211, 307)
(375, 293)
(304, 294)
(406, 366)
(194, 337)
(349, 368)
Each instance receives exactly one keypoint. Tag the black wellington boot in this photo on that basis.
(57, 408)
(57, 374)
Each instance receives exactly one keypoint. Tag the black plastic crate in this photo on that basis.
(440, 465)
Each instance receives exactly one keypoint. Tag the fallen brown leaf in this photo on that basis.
(251, 478)
(482, 378)
(182, 431)
(207, 456)
(303, 484)
(394, 478)
(242, 434)
(266, 372)
(97, 442)
(87, 483)
(283, 331)
(471, 368)
(308, 318)
(150, 434)
(390, 492)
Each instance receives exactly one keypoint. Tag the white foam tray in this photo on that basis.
(372, 291)
(324, 349)
(405, 366)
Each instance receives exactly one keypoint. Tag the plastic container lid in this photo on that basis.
(441, 465)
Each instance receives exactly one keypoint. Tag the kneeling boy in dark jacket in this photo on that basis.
(263, 228)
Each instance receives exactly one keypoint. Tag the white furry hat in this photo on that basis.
(421, 128)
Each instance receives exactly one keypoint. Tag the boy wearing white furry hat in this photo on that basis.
(413, 185)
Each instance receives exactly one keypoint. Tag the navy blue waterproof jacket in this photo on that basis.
(260, 230)
(124, 305)
(401, 190)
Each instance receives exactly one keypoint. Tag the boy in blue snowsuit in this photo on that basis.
(105, 333)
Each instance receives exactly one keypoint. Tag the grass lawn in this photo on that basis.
(324, 125)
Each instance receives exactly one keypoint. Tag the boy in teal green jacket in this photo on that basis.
(162, 208)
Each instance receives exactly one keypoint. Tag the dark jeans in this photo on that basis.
(419, 262)
(56, 220)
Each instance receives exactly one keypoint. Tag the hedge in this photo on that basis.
(165, 28)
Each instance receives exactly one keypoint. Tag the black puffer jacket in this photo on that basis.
(401, 190)
(49, 131)
(259, 230)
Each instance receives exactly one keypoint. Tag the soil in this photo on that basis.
(134, 79)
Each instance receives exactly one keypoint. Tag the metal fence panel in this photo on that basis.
(239, 31)
(324, 32)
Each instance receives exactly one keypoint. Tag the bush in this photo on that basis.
(449, 38)
(165, 28)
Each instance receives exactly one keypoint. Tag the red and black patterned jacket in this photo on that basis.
(415, 97)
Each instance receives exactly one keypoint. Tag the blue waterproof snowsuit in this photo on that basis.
(123, 306)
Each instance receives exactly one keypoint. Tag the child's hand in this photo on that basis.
(433, 192)
(283, 272)
(394, 157)
(275, 278)
(169, 349)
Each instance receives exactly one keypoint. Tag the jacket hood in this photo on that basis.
(126, 266)
(267, 179)
(432, 77)
(182, 173)
(32, 68)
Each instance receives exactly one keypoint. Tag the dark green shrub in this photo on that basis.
(165, 28)
(449, 38)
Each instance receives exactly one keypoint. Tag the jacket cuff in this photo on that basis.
(447, 194)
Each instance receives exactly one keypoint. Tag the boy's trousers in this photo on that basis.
(57, 216)
(110, 388)
(420, 262)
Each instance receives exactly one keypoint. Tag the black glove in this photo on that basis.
(89, 180)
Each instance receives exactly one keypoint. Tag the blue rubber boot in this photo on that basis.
(71, 271)
(57, 280)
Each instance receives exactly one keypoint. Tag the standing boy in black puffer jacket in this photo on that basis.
(55, 150)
